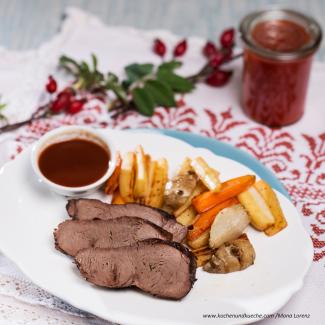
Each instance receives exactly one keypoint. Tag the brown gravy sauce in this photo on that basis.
(74, 163)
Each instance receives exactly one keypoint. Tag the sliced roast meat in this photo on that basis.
(89, 209)
(71, 236)
(161, 268)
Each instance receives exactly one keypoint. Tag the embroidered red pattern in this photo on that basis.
(297, 160)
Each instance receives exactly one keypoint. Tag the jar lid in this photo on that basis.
(309, 24)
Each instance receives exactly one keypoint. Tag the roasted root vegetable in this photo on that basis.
(229, 189)
(205, 219)
(201, 241)
(160, 178)
(142, 179)
(113, 182)
(273, 203)
(186, 167)
(202, 259)
(200, 187)
(208, 176)
(228, 225)
(187, 217)
(202, 255)
(165, 208)
(260, 214)
(126, 178)
(141, 183)
(201, 250)
(151, 165)
(179, 189)
(232, 256)
(117, 198)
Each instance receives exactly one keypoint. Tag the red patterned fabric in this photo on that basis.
(297, 160)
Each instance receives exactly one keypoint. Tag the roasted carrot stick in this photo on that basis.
(112, 182)
(229, 189)
(205, 219)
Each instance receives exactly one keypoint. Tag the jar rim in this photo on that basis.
(309, 23)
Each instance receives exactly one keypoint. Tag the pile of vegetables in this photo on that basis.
(216, 213)
(138, 178)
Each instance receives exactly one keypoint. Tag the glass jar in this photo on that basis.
(279, 47)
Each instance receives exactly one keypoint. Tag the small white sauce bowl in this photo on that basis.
(66, 133)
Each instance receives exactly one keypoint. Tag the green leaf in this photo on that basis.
(126, 84)
(161, 93)
(137, 71)
(94, 59)
(143, 101)
(111, 77)
(2, 106)
(98, 76)
(170, 66)
(66, 59)
(118, 90)
(87, 77)
(69, 64)
(85, 67)
(175, 82)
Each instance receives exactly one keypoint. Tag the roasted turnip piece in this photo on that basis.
(232, 256)
(228, 225)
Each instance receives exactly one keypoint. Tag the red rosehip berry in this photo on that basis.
(60, 103)
(159, 47)
(56, 107)
(216, 59)
(75, 106)
(209, 49)
(68, 90)
(180, 48)
(51, 85)
(227, 38)
(218, 78)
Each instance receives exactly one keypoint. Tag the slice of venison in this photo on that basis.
(89, 209)
(161, 268)
(71, 236)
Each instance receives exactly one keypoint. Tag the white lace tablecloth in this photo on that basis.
(296, 153)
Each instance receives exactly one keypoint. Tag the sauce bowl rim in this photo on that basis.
(40, 145)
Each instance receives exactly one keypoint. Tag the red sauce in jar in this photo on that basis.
(280, 35)
(274, 90)
(74, 163)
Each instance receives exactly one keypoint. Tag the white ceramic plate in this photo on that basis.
(29, 212)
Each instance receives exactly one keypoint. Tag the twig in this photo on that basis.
(117, 107)
(122, 109)
(41, 110)
(207, 69)
(14, 126)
